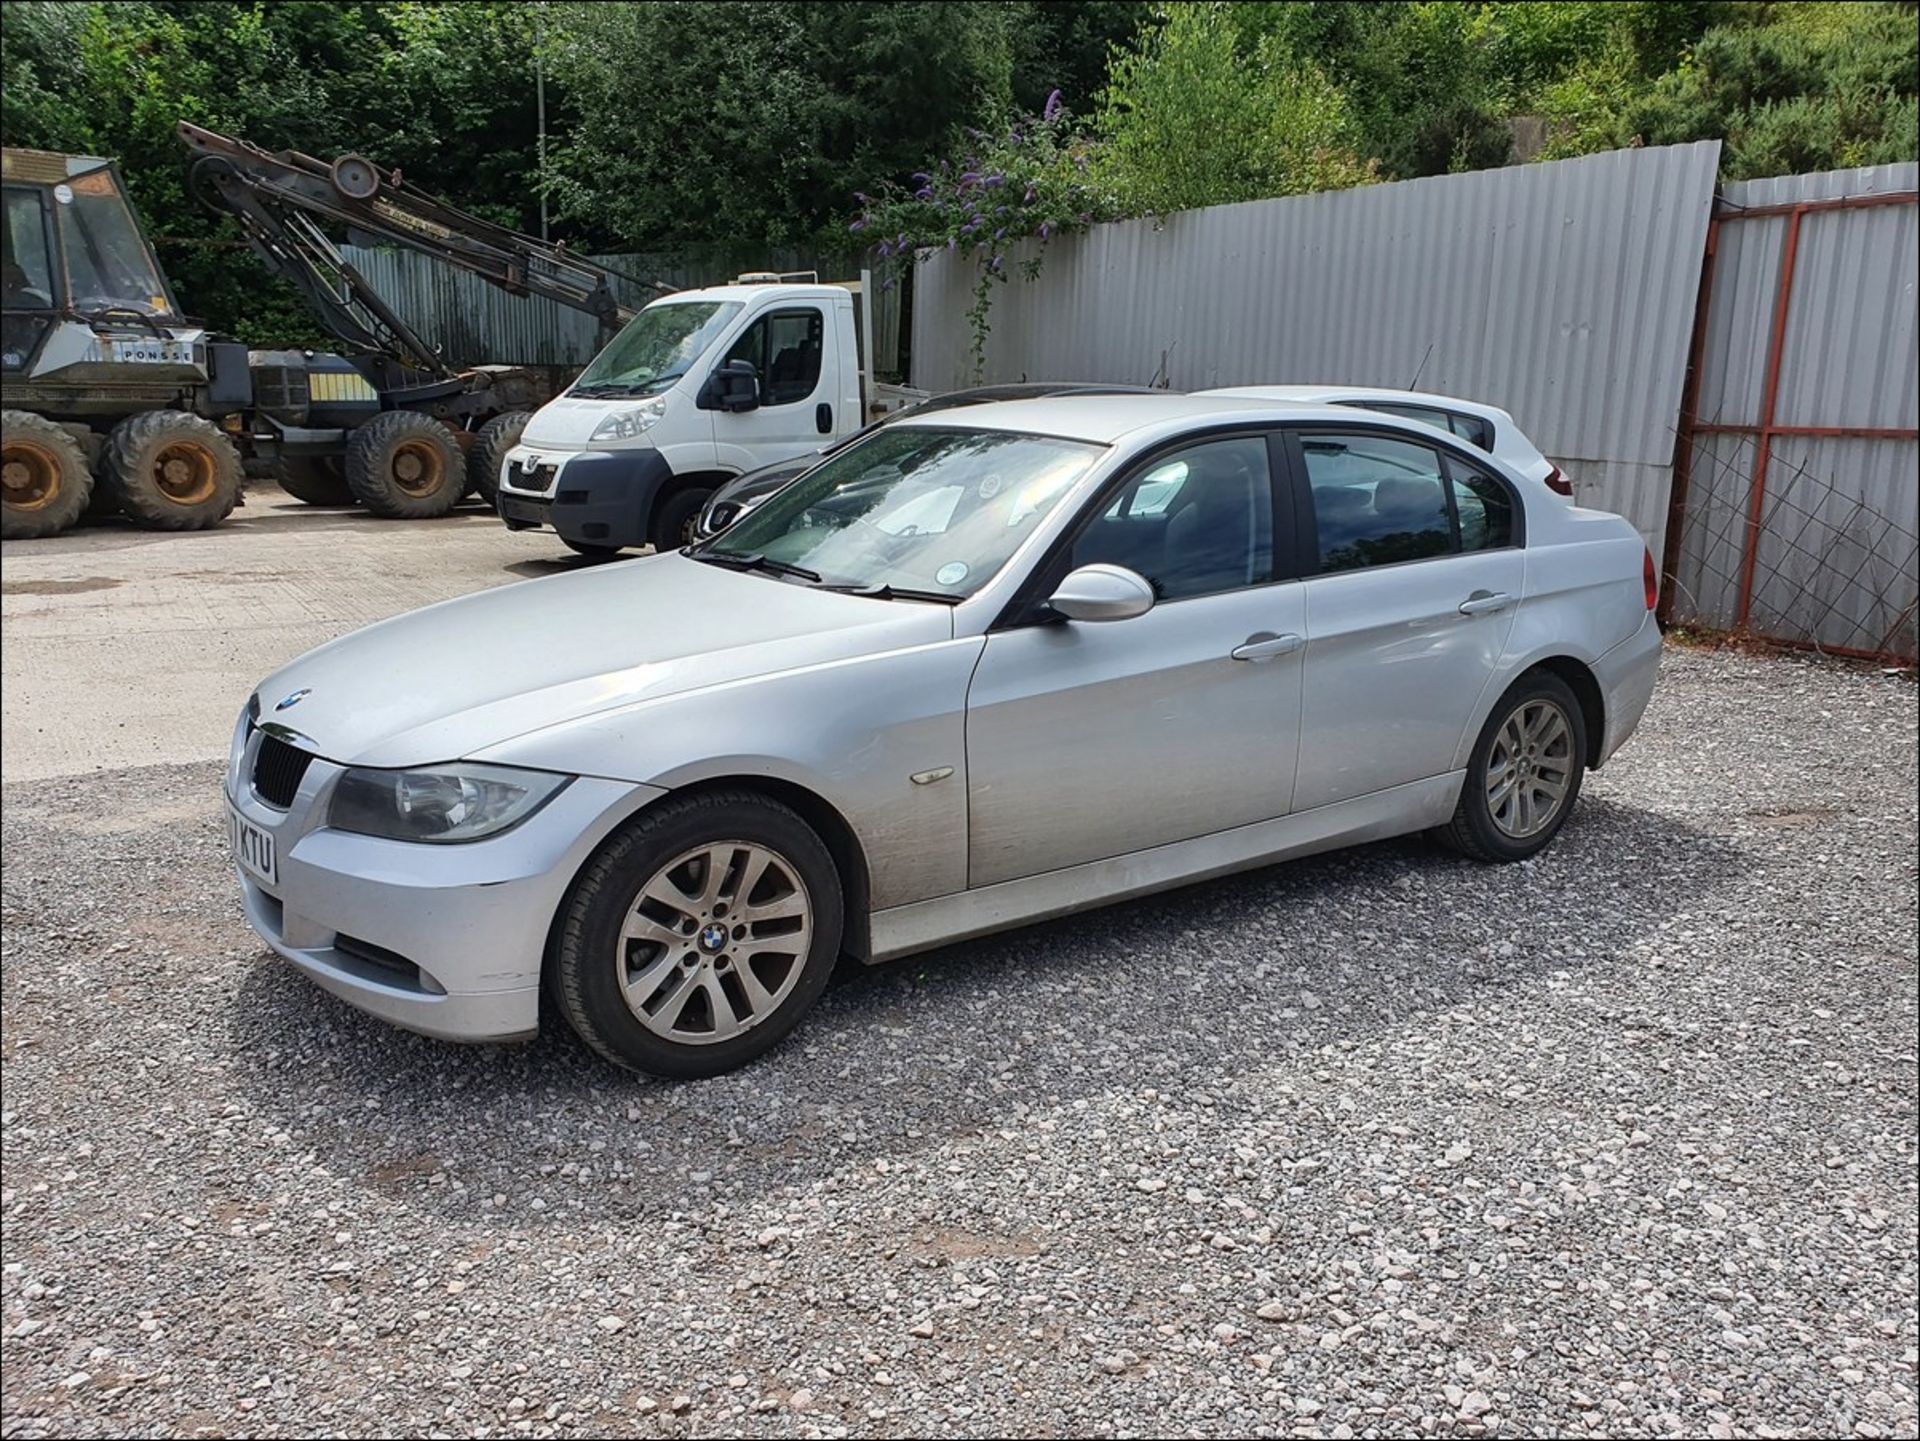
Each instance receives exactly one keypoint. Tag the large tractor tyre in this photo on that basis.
(406, 466)
(45, 476)
(172, 471)
(490, 446)
(316, 479)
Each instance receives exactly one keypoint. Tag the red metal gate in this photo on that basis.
(1729, 533)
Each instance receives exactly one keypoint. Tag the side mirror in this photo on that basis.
(734, 386)
(1102, 592)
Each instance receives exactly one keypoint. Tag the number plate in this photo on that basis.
(253, 849)
(153, 351)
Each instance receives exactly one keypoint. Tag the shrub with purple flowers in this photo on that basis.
(1033, 180)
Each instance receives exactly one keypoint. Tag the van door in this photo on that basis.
(799, 388)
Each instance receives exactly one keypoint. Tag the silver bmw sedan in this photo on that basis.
(972, 671)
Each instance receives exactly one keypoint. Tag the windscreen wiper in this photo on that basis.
(732, 560)
(896, 592)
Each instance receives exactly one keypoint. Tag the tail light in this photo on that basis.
(1558, 483)
(1652, 579)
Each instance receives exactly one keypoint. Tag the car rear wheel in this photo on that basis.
(1524, 774)
(699, 935)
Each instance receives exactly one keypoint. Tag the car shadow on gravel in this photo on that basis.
(1237, 981)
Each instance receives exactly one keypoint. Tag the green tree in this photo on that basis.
(1197, 115)
(751, 124)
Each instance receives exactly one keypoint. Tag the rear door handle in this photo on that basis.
(1484, 602)
(1265, 645)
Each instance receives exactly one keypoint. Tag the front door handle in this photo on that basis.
(823, 418)
(1484, 602)
(1265, 645)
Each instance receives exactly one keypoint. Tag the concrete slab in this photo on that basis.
(124, 647)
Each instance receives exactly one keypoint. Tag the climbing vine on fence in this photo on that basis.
(1030, 181)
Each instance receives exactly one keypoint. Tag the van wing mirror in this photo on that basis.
(734, 386)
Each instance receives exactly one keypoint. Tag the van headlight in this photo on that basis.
(626, 423)
(439, 804)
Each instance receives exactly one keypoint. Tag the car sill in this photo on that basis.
(923, 925)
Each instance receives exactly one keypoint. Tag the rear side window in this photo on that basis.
(1484, 506)
(1377, 501)
(1470, 428)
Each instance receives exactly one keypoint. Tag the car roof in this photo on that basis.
(1105, 419)
(1031, 390)
(1320, 394)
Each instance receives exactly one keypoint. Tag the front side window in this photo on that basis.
(1376, 501)
(784, 350)
(25, 261)
(659, 345)
(909, 508)
(1195, 522)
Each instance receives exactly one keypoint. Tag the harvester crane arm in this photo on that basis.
(280, 200)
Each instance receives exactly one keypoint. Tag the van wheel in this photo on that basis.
(489, 452)
(172, 471)
(406, 466)
(45, 475)
(699, 935)
(676, 520)
(1524, 774)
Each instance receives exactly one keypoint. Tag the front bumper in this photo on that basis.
(445, 940)
(595, 497)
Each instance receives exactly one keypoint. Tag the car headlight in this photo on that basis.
(237, 749)
(625, 424)
(439, 804)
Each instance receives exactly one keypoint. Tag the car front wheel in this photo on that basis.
(1524, 774)
(699, 935)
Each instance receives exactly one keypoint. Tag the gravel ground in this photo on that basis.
(1621, 1141)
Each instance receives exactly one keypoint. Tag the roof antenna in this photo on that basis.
(1423, 366)
(1161, 379)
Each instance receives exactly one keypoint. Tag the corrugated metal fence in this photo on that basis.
(1797, 503)
(474, 323)
(1563, 292)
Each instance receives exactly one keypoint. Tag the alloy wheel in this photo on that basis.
(714, 942)
(1530, 768)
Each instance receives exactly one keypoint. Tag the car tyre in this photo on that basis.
(1524, 774)
(698, 935)
(489, 452)
(171, 471)
(48, 484)
(676, 519)
(406, 466)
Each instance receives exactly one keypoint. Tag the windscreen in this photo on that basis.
(912, 507)
(659, 345)
(108, 263)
